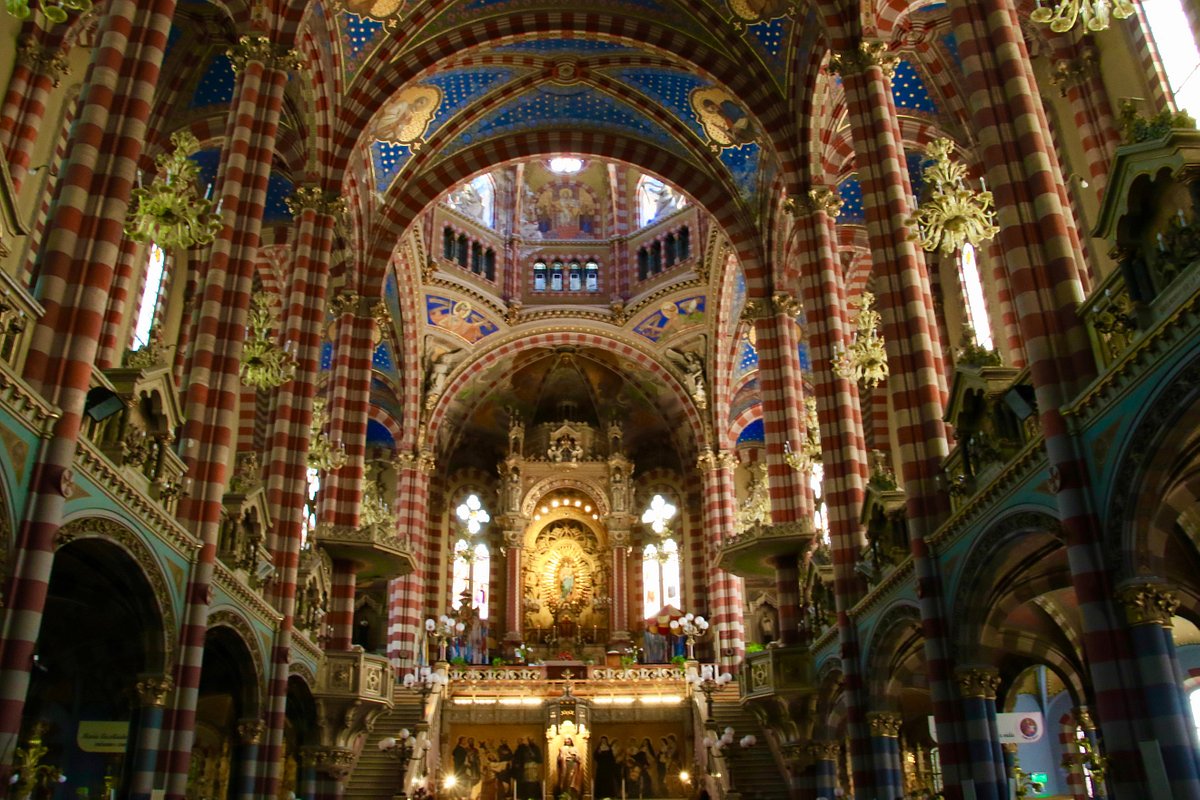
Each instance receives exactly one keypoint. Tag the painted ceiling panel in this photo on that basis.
(670, 87)
(216, 84)
(770, 39)
(461, 87)
(358, 37)
(852, 201)
(742, 163)
(560, 46)
(553, 106)
(950, 41)
(387, 158)
(909, 90)
(279, 189)
(754, 432)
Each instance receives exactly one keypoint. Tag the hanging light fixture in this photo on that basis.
(473, 514)
(954, 214)
(55, 12)
(265, 365)
(323, 454)
(658, 515)
(170, 212)
(866, 358)
(1061, 16)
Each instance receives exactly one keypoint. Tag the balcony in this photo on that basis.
(778, 672)
(353, 690)
(374, 547)
(753, 552)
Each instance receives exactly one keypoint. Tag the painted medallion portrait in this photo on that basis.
(377, 9)
(405, 118)
(758, 10)
(724, 119)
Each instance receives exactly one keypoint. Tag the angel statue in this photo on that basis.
(439, 372)
(692, 366)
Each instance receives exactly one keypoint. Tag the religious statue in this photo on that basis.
(439, 372)
(565, 448)
(570, 771)
(692, 366)
(566, 579)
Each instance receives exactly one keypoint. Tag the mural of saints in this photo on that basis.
(566, 212)
(724, 119)
(406, 116)
(758, 10)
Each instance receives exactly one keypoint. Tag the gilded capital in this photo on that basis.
(1083, 718)
(708, 460)
(753, 310)
(39, 58)
(313, 197)
(821, 199)
(251, 731)
(862, 58)
(343, 303)
(823, 751)
(153, 690)
(884, 723)
(978, 682)
(265, 52)
(787, 305)
(1147, 603)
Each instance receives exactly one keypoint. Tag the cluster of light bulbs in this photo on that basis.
(565, 503)
(726, 739)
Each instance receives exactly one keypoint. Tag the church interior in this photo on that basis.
(516, 399)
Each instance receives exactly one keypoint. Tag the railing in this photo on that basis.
(1110, 319)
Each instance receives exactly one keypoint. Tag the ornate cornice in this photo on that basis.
(862, 58)
(252, 601)
(823, 751)
(978, 682)
(884, 723)
(1147, 603)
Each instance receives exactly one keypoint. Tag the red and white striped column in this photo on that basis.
(314, 210)
(41, 63)
(843, 449)
(214, 383)
(406, 601)
(76, 259)
(917, 382)
(724, 590)
(1041, 252)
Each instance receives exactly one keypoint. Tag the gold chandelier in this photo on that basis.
(866, 358)
(1096, 13)
(953, 215)
(55, 13)
(265, 365)
(170, 212)
(803, 457)
(323, 454)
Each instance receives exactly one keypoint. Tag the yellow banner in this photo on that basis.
(102, 736)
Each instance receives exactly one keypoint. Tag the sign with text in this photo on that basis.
(1019, 727)
(102, 736)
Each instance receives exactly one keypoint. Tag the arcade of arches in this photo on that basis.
(489, 399)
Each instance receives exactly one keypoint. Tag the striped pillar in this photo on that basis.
(41, 63)
(917, 383)
(619, 636)
(76, 260)
(514, 613)
(349, 406)
(306, 783)
(314, 211)
(406, 604)
(724, 590)
(1076, 72)
(978, 687)
(885, 745)
(214, 384)
(1148, 609)
(118, 299)
(787, 591)
(842, 444)
(152, 697)
(824, 757)
(1038, 238)
(250, 736)
(341, 606)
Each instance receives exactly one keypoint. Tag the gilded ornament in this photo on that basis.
(312, 197)
(323, 454)
(170, 212)
(153, 690)
(251, 731)
(862, 58)
(1061, 16)
(884, 723)
(866, 358)
(55, 13)
(262, 50)
(51, 61)
(979, 682)
(1147, 603)
(953, 215)
(265, 365)
(809, 451)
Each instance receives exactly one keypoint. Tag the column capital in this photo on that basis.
(251, 731)
(1066, 72)
(823, 751)
(153, 690)
(344, 302)
(50, 61)
(885, 723)
(708, 460)
(978, 682)
(315, 198)
(819, 198)
(860, 59)
(786, 304)
(261, 49)
(1147, 603)
(1083, 718)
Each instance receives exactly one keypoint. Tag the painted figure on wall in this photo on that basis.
(527, 769)
(607, 781)
(566, 212)
(724, 119)
(404, 118)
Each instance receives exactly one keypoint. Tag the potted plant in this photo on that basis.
(679, 661)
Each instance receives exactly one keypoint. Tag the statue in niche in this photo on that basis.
(692, 366)
(565, 448)
(566, 579)
(617, 481)
(439, 372)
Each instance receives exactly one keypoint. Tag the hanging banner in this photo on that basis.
(1019, 727)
